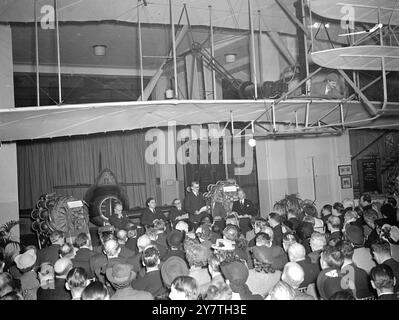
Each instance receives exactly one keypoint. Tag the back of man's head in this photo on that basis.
(296, 252)
(143, 242)
(263, 239)
(275, 217)
(281, 291)
(293, 274)
(151, 257)
(81, 240)
(317, 241)
(121, 235)
(334, 222)
(62, 267)
(382, 277)
(346, 248)
(381, 251)
(111, 248)
(331, 257)
(76, 278)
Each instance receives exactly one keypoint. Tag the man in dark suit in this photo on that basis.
(382, 255)
(383, 281)
(177, 213)
(51, 253)
(193, 203)
(83, 254)
(245, 210)
(150, 213)
(119, 219)
(274, 221)
(297, 253)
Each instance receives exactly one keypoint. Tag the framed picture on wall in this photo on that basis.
(346, 182)
(345, 170)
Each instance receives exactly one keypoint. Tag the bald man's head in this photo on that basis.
(296, 252)
(62, 267)
(121, 235)
(111, 248)
(143, 242)
(293, 274)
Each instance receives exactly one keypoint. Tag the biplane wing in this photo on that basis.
(365, 11)
(358, 58)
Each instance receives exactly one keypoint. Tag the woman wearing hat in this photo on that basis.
(29, 282)
(236, 275)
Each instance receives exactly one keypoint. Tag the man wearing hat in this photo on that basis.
(29, 283)
(263, 277)
(175, 242)
(121, 275)
(361, 255)
(172, 268)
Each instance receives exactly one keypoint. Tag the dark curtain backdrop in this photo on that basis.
(46, 164)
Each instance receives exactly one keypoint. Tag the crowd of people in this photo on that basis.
(341, 252)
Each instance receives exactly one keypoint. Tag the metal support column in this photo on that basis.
(57, 29)
(37, 57)
(140, 53)
(252, 50)
(173, 49)
(212, 54)
(260, 53)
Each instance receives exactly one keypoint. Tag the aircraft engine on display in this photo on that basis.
(58, 212)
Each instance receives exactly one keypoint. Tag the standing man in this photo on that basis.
(245, 210)
(119, 219)
(195, 203)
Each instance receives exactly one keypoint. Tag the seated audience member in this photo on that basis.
(261, 225)
(204, 235)
(29, 283)
(348, 205)
(297, 253)
(326, 212)
(121, 276)
(334, 227)
(342, 295)
(219, 291)
(47, 279)
(317, 243)
(361, 255)
(59, 292)
(329, 279)
(382, 255)
(263, 276)
(294, 275)
(173, 267)
(338, 210)
(293, 221)
(118, 218)
(288, 240)
(365, 201)
(236, 275)
(136, 261)
(197, 258)
(132, 236)
(232, 233)
(274, 221)
(388, 215)
(99, 261)
(158, 242)
(279, 257)
(305, 232)
(370, 228)
(311, 211)
(281, 291)
(121, 237)
(83, 254)
(175, 242)
(356, 279)
(95, 291)
(8, 284)
(184, 288)
(391, 235)
(51, 253)
(151, 281)
(214, 268)
(76, 281)
(67, 251)
(383, 281)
